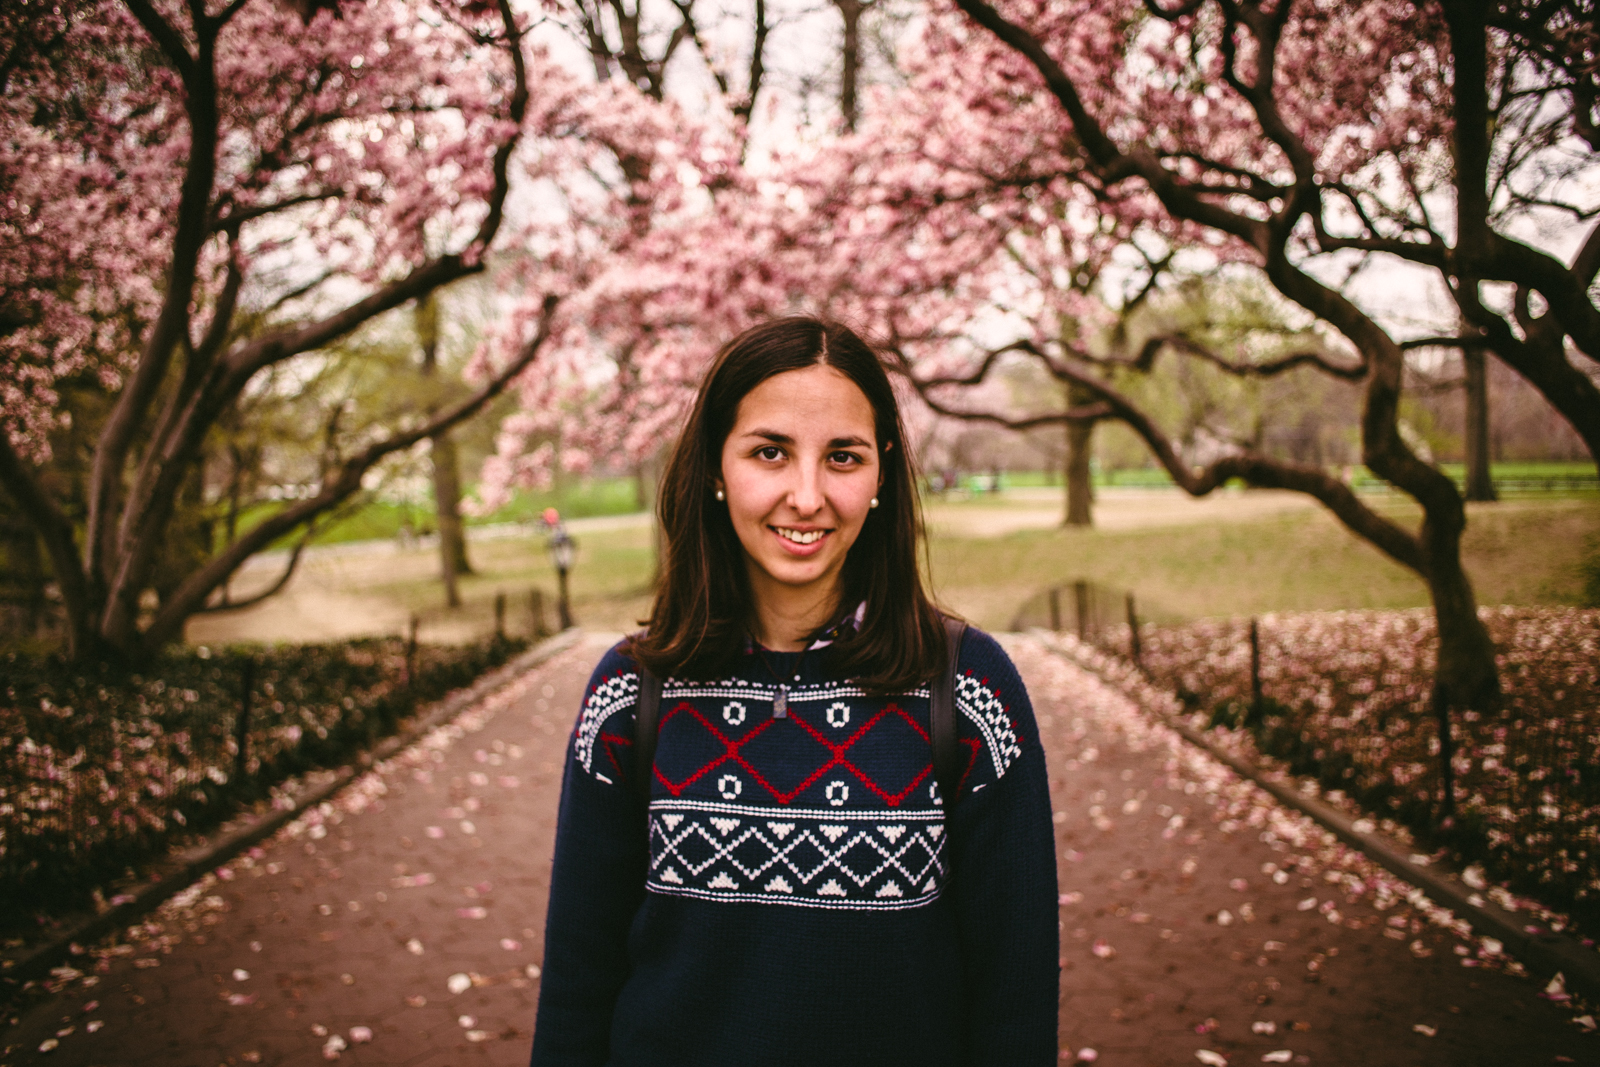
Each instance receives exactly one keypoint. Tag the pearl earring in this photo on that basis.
(721, 495)
(874, 503)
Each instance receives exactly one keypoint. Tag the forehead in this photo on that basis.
(815, 401)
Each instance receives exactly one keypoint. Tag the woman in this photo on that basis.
(799, 892)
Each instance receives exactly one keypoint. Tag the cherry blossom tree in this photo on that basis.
(197, 195)
(1308, 139)
(612, 384)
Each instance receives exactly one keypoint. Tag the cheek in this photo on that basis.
(749, 494)
(853, 500)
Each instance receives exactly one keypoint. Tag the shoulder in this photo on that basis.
(992, 701)
(608, 703)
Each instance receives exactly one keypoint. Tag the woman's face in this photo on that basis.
(800, 468)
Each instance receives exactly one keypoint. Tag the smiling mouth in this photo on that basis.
(799, 537)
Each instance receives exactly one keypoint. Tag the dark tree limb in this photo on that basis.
(1258, 470)
(207, 391)
(193, 592)
(275, 588)
(172, 321)
(55, 530)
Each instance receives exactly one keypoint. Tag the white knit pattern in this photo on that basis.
(982, 706)
(609, 697)
(854, 860)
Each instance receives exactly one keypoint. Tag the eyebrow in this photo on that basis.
(784, 439)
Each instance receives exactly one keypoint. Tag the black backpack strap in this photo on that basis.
(942, 711)
(646, 716)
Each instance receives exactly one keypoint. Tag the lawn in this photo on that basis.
(1528, 552)
(378, 519)
(1239, 553)
(609, 583)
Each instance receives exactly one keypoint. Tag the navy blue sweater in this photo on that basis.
(800, 896)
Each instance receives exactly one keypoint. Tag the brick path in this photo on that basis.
(1177, 935)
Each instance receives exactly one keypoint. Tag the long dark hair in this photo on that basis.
(703, 607)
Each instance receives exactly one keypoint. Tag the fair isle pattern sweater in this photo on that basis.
(797, 894)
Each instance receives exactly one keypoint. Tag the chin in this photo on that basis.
(798, 572)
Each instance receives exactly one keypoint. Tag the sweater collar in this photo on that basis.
(848, 621)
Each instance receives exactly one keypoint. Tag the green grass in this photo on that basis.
(378, 520)
(609, 583)
(1530, 551)
(1527, 552)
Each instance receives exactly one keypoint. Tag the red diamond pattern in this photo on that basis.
(838, 756)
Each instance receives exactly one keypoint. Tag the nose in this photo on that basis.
(805, 491)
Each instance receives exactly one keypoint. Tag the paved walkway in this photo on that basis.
(402, 924)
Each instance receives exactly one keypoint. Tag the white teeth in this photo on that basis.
(800, 538)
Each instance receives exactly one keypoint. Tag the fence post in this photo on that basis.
(536, 606)
(1255, 669)
(1081, 589)
(1055, 609)
(241, 728)
(411, 652)
(1134, 649)
(500, 616)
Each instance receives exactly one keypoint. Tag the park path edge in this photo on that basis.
(180, 869)
(1545, 953)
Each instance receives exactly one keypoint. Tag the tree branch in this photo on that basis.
(55, 530)
(146, 514)
(272, 590)
(1396, 542)
(191, 595)
(1587, 262)
(172, 321)
(165, 36)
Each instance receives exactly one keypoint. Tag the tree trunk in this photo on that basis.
(22, 573)
(446, 467)
(850, 60)
(1079, 475)
(1466, 675)
(641, 487)
(1080, 480)
(1480, 482)
(447, 503)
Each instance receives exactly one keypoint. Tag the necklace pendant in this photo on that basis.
(780, 703)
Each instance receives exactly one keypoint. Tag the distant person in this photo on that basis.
(801, 891)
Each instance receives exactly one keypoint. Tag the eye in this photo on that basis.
(844, 459)
(771, 453)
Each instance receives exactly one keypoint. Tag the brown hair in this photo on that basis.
(703, 607)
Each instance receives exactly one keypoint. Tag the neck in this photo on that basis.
(785, 617)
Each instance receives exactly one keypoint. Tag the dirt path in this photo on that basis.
(1199, 915)
(402, 924)
(1114, 509)
(404, 919)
